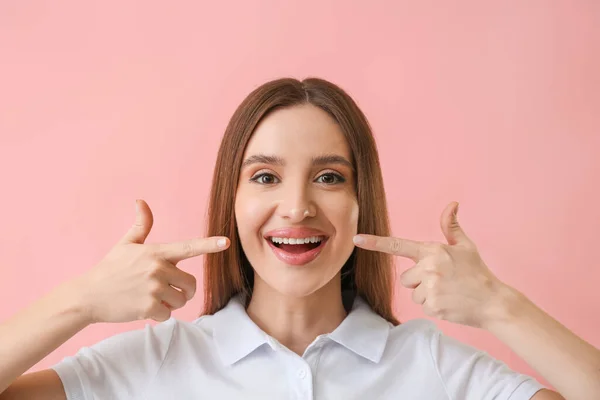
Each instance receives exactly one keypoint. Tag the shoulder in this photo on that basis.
(425, 336)
(149, 344)
(122, 365)
(416, 332)
(464, 370)
(428, 344)
(422, 343)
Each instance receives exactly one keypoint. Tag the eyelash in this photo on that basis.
(339, 178)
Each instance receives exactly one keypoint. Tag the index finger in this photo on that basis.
(179, 251)
(391, 245)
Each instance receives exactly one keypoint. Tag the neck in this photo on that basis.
(296, 321)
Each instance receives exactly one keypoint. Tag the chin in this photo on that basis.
(292, 282)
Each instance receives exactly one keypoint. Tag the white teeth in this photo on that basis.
(311, 239)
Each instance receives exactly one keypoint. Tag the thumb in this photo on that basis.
(142, 225)
(452, 230)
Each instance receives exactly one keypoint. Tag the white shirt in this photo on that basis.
(227, 356)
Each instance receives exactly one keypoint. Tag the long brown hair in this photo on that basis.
(367, 274)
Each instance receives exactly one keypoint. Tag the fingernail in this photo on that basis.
(358, 239)
(222, 242)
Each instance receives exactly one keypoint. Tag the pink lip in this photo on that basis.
(296, 259)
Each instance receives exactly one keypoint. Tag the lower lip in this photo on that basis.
(297, 259)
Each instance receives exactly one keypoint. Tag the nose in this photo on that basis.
(296, 206)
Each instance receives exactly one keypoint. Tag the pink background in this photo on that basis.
(495, 104)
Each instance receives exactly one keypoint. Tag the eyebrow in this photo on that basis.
(326, 159)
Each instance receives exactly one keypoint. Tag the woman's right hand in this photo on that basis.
(138, 281)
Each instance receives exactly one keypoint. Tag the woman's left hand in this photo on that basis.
(451, 280)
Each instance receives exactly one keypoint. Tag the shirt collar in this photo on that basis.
(362, 331)
(236, 335)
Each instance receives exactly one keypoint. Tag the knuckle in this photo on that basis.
(438, 248)
(153, 252)
(431, 267)
(445, 256)
(154, 288)
(187, 249)
(180, 301)
(395, 246)
(404, 278)
(142, 250)
(192, 283)
(433, 303)
(432, 281)
(415, 297)
(157, 269)
(153, 273)
(440, 252)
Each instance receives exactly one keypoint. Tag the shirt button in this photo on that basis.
(301, 373)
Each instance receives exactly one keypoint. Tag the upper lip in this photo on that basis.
(296, 233)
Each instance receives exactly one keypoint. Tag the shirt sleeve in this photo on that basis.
(472, 374)
(118, 367)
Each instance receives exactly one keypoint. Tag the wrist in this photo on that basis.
(73, 300)
(506, 306)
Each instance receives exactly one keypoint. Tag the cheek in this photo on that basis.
(342, 212)
(249, 215)
(350, 213)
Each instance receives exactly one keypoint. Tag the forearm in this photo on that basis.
(565, 360)
(32, 334)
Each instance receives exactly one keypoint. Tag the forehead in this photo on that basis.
(298, 132)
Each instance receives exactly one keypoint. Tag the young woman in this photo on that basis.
(298, 286)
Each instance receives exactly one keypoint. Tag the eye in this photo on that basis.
(331, 178)
(264, 179)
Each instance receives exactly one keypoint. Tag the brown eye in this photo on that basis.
(264, 179)
(330, 179)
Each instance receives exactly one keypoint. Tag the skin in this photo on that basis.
(295, 304)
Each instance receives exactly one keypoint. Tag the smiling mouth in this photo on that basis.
(297, 248)
(295, 251)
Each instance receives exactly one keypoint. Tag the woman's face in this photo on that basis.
(296, 208)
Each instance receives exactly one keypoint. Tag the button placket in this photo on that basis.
(303, 381)
(302, 373)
